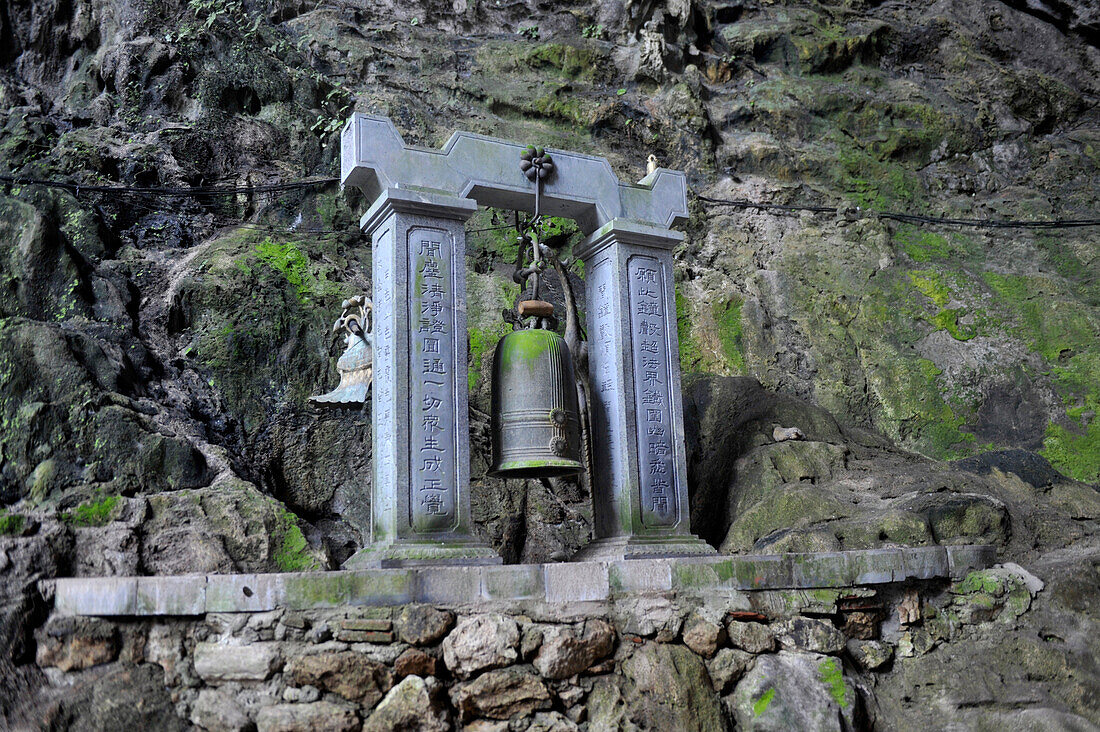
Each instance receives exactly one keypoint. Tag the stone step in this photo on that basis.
(555, 584)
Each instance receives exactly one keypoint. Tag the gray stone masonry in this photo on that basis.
(564, 585)
(486, 170)
(421, 460)
(640, 495)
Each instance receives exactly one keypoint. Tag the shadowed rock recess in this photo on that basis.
(157, 351)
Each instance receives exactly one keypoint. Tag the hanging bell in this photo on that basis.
(535, 418)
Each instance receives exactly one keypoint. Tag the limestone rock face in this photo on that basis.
(315, 717)
(217, 711)
(76, 643)
(350, 674)
(665, 687)
(414, 705)
(481, 642)
(162, 348)
(804, 691)
(566, 650)
(500, 694)
(127, 697)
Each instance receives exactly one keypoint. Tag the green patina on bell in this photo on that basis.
(535, 418)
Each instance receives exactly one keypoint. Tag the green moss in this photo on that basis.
(92, 513)
(979, 582)
(830, 673)
(761, 705)
(1050, 324)
(727, 316)
(691, 356)
(11, 523)
(482, 345)
(1075, 454)
(948, 320)
(293, 553)
(931, 286)
(288, 260)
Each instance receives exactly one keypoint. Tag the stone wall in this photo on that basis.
(775, 659)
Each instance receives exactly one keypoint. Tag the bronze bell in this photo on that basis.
(535, 419)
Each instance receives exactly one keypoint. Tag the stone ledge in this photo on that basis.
(570, 583)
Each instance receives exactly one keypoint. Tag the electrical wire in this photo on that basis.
(201, 191)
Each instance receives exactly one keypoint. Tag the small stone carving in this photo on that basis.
(356, 366)
(782, 434)
(909, 609)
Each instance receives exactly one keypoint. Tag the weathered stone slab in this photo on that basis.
(576, 582)
(96, 596)
(255, 662)
(513, 582)
(228, 593)
(760, 576)
(640, 575)
(448, 584)
(962, 559)
(171, 595)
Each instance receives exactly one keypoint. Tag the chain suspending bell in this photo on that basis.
(536, 421)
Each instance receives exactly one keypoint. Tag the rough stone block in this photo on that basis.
(216, 710)
(254, 662)
(576, 582)
(366, 624)
(76, 643)
(315, 717)
(171, 595)
(364, 636)
(423, 625)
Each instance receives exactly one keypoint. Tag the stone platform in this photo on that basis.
(553, 584)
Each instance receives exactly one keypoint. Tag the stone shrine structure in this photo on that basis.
(421, 502)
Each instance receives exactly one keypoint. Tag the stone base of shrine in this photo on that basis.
(423, 554)
(509, 586)
(633, 547)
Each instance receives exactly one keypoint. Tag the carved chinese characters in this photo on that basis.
(649, 337)
(608, 457)
(420, 510)
(432, 367)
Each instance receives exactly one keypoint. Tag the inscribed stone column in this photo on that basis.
(639, 493)
(421, 437)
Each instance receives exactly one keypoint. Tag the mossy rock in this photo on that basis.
(230, 527)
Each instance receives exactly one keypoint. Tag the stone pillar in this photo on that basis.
(639, 485)
(420, 507)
